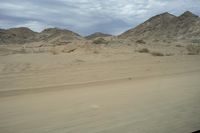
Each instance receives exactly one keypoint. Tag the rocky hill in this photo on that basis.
(163, 27)
(24, 35)
(167, 27)
(17, 35)
(55, 35)
(96, 35)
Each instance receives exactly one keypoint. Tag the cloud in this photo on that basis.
(88, 16)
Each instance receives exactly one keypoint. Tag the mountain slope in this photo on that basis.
(17, 36)
(166, 26)
(97, 34)
(24, 35)
(55, 35)
(160, 27)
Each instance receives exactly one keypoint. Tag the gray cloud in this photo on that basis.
(88, 16)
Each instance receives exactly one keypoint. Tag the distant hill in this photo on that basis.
(164, 26)
(17, 35)
(96, 35)
(167, 26)
(57, 35)
(24, 35)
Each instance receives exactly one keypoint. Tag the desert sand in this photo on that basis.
(99, 93)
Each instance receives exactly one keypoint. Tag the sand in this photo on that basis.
(99, 93)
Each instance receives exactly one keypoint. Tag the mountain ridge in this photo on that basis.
(164, 26)
(96, 35)
(23, 35)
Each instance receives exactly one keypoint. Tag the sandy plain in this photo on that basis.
(99, 93)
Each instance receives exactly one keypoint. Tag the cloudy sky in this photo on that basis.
(88, 16)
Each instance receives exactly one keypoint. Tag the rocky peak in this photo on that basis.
(187, 15)
(164, 15)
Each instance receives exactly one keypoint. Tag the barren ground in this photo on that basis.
(99, 94)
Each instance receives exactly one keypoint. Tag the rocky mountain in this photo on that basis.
(24, 35)
(57, 35)
(96, 35)
(162, 27)
(167, 26)
(17, 35)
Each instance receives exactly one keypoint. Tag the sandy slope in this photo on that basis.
(142, 94)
